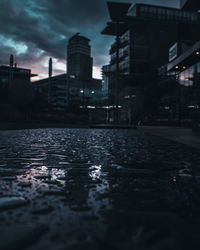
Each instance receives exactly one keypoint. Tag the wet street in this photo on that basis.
(97, 189)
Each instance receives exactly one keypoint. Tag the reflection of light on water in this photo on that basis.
(174, 179)
(101, 187)
(33, 175)
(44, 168)
(37, 159)
(57, 173)
(96, 172)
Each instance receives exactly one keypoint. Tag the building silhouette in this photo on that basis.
(13, 80)
(66, 92)
(191, 5)
(144, 33)
(76, 88)
(79, 60)
(144, 38)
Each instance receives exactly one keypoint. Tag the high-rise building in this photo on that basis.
(77, 87)
(79, 60)
(144, 40)
(192, 5)
(143, 35)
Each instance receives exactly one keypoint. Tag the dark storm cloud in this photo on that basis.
(41, 28)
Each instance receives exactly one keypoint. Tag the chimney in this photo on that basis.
(11, 60)
(50, 67)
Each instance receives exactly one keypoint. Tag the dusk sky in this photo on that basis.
(34, 30)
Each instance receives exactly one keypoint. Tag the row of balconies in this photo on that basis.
(121, 58)
(121, 45)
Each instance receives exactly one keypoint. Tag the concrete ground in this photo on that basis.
(97, 189)
(177, 134)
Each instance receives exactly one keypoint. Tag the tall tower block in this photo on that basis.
(79, 60)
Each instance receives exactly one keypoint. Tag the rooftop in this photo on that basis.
(16, 70)
(192, 5)
(127, 15)
(77, 36)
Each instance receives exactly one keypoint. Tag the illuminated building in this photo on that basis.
(68, 91)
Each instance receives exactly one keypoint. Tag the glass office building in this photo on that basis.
(190, 76)
(186, 69)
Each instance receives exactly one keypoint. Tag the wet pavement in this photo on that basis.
(97, 189)
(182, 135)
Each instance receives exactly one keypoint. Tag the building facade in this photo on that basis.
(144, 33)
(15, 84)
(186, 69)
(105, 78)
(67, 92)
(79, 60)
(191, 5)
(144, 43)
(77, 88)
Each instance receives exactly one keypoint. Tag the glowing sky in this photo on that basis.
(34, 30)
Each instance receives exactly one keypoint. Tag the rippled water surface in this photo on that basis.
(92, 189)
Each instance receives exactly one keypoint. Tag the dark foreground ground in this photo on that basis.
(177, 134)
(97, 189)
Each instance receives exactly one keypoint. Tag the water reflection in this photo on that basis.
(74, 177)
(174, 179)
(95, 172)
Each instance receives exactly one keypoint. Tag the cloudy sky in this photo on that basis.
(34, 30)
